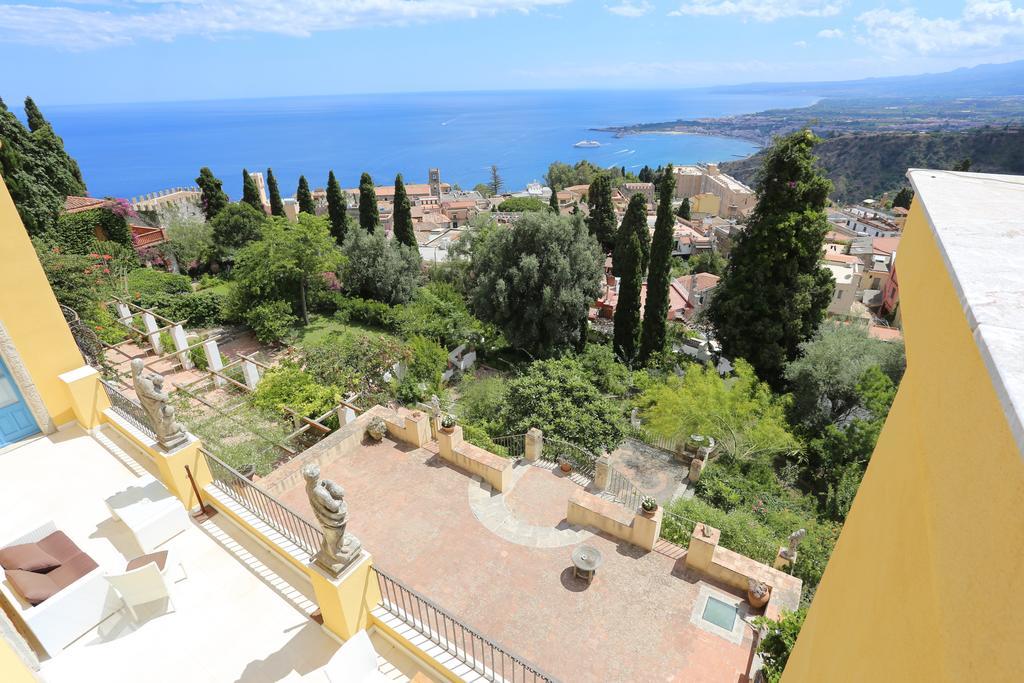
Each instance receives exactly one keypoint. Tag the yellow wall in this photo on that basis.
(926, 582)
(31, 315)
(705, 203)
(12, 669)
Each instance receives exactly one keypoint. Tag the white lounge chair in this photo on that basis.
(150, 511)
(143, 586)
(354, 662)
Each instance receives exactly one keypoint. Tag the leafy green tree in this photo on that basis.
(276, 204)
(35, 118)
(582, 173)
(404, 232)
(627, 310)
(633, 223)
(778, 644)
(536, 280)
(741, 413)
(775, 292)
(38, 172)
(660, 270)
(523, 204)
(963, 165)
(337, 209)
(684, 209)
(558, 397)
(484, 189)
(369, 215)
(553, 201)
(213, 196)
(708, 262)
(250, 192)
(903, 198)
(234, 227)
(496, 184)
(379, 268)
(602, 221)
(287, 260)
(189, 240)
(270, 322)
(304, 197)
(825, 379)
(37, 123)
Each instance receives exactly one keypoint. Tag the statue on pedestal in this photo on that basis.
(327, 499)
(149, 387)
(794, 540)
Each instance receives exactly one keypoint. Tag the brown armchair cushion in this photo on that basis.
(28, 557)
(32, 586)
(72, 570)
(60, 546)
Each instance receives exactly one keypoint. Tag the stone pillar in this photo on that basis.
(646, 530)
(346, 601)
(88, 399)
(696, 467)
(602, 472)
(701, 550)
(124, 314)
(171, 467)
(448, 442)
(345, 415)
(782, 563)
(151, 329)
(181, 344)
(534, 444)
(213, 361)
(251, 372)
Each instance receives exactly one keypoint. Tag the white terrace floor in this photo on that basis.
(241, 613)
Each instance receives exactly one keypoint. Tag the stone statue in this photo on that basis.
(435, 405)
(634, 421)
(758, 589)
(327, 499)
(794, 540)
(149, 387)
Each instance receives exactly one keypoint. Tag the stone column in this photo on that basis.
(701, 550)
(213, 361)
(602, 472)
(151, 328)
(251, 372)
(646, 530)
(124, 314)
(181, 344)
(534, 444)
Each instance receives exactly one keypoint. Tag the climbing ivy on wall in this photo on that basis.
(76, 231)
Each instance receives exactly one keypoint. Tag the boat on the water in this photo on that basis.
(587, 143)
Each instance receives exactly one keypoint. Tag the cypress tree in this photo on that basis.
(403, 215)
(336, 208)
(633, 223)
(903, 198)
(627, 310)
(36, 120)
(775, 292)
(602, 212)
(276, 205)
(684, 209)
(214, 197)
(652, 339)
(369, 216)
(250, 192)
(305, 197)
(553, 200)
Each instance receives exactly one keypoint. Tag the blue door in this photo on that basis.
(16, 421)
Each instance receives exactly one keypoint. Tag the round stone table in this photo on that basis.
(585, 561)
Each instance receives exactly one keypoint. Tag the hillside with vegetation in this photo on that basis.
(868, 165)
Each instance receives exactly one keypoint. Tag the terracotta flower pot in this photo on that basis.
(756, 602)
(566, 467)
(649, 513)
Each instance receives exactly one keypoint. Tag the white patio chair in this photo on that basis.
(143, 586)
(354, 662)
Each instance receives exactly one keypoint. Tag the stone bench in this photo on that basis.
(586, 509)
(493, 469)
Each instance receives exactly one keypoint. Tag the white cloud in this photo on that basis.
(88, 27)
(630, 8)
(982, 25)
(830, 33)
(800, 43)
(761, 10)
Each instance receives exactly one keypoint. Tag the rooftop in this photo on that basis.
(982, 243)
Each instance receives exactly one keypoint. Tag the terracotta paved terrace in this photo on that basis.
(445, 535)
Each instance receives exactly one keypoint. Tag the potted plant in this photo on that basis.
(377, 428)
(648, 506)
(758, 593)
(447, 423)
(565, 465)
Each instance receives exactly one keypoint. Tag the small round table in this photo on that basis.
(585, 561)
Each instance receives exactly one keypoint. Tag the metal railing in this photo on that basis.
(86, 339)
(488, 659)
(623, 490)
(581, 460)
(670, 445)
(270, 510)
(514, 444)
(129, 409)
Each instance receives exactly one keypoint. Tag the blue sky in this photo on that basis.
(98, 51)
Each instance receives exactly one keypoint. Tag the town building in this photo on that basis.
(261, 186)
(865, 221)
(173, 198)
(143, 235)
(735, 200)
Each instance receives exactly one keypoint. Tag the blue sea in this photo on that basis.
(127, 150)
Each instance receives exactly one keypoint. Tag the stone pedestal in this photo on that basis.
(701, 551)
(88, 399)
(696, 467)
(346, 601)
(534, 444)
(602, 472)
(782, 563)
(448, 442)
(251, 372)
(647, 529)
